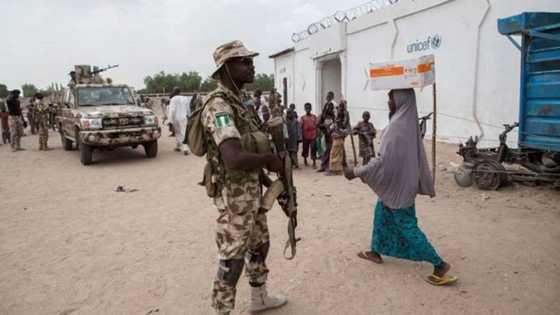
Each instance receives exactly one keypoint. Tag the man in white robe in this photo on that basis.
(178, 112)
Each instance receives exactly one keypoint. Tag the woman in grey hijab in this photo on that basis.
(399, 174)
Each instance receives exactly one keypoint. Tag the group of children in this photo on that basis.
(323, 137)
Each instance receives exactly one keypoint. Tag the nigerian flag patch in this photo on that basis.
(223, 120)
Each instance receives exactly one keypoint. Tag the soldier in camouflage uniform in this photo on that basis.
(31, 117)
(42, 120)
(235, 182)
(15, 120)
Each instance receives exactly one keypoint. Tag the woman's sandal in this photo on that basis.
(441, 281)
(369, 257)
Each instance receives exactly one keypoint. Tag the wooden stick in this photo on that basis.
(352, 141)
(434, 132)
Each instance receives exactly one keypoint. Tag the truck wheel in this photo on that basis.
(86, 154)
(77, 137)
(66, 143)
(151, 149)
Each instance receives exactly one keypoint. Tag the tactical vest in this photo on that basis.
(42, 112)
(252, 140)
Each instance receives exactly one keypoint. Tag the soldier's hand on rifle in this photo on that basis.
(274, 164)
(349, 173)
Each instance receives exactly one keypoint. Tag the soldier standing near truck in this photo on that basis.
(32, 116)
(42, 121)
(15, 120)
(234, 176)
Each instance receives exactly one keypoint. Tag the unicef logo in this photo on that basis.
(431, 42)
(436, 41)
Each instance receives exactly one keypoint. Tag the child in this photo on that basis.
(366, 133)
(292, 108)
(309, 129)
(339, 132)
(293, 137)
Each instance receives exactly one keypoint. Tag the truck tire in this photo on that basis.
(151, 149)
(77, 137)
(86, 154)
(66, 143)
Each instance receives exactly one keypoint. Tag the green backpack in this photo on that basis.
(195, 137)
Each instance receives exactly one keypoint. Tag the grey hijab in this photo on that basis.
(401, 172)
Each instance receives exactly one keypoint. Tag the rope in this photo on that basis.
(439, 113)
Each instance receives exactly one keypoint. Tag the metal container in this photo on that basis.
(539, 113)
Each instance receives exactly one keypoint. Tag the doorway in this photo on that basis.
(331, 80)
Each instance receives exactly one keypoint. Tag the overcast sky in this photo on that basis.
(42, 40)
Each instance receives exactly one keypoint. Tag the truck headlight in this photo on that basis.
(91, 123)
(150, 120)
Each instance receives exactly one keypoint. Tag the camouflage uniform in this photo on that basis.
(16, 131)
(15, 120)
(242, 231)
(31, 118)
(43, 122)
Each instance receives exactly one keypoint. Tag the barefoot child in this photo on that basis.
(366, 133)
(397, 176)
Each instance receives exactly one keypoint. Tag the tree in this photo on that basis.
(190, 82)
(262, 82)
(29, 90)
(162, 82)
(4, 91)
(208, 85)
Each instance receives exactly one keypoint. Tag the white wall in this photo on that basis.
(331, 79)
(284, 68)
(492, 93)
(304, 79)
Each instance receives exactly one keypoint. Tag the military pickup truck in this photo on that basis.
(98, 115)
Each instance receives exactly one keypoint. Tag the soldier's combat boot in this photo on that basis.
(261, 301)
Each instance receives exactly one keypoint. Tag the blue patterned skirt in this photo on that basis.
(396, 234)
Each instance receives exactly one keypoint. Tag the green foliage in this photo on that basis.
(4, 91)
(208, 85)
(52, 89)
(29, 90)
(165, 82)
(162, 82)
(263, 82)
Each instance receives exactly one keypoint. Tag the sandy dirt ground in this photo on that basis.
(69, 244)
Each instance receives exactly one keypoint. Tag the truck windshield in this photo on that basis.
(104, 96)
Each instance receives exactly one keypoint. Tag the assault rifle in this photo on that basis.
(287, 198)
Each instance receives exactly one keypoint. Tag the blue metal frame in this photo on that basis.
(539, 106)
(514, 42)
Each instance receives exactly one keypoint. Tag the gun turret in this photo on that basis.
(99, 70)
(83, 74)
